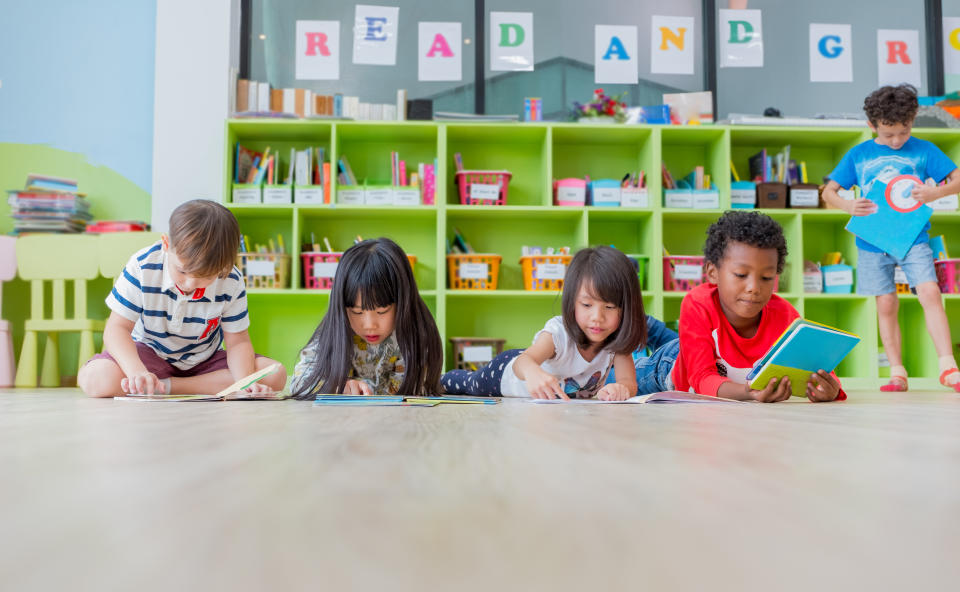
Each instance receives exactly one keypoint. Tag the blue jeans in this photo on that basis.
(653, 373)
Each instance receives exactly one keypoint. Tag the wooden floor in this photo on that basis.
(110, 495)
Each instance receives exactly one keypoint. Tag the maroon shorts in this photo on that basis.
(164, 369)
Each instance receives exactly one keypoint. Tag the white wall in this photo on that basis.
(196, 51)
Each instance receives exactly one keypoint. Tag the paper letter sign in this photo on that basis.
(318, 50)
(615, 55)
(511, 41)
(375, 35)
(671, 45)
(951, 45)
(898, 56)
(831, 53)
(439, 52)
(741, 42)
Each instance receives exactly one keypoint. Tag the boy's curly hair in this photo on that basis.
(750, 228)
(892, 104)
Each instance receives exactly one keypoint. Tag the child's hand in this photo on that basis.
(143, 383)
(614, 392)
(258, 388)
(822, 387)
(357, 387)
(925, 193)
(860, 207)
(773, 393)
(543, 385)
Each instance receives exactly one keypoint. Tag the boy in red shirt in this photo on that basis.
(729, 323)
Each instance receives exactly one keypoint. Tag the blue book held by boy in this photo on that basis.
(803, 349)
(899, 219)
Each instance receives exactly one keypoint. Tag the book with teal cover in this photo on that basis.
(803, 349)
(899, 219)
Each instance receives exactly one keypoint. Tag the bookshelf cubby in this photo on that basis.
(535, 154)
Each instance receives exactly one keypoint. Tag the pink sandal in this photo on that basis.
(897, 384)
(943, 379)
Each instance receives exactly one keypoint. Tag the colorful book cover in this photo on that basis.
(803, 349)
(899, 218)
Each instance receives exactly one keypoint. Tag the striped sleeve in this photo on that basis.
(235, 317)
(126, 297)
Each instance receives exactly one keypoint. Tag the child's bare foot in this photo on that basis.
(897, 384)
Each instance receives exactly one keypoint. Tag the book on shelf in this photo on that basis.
(804, 348)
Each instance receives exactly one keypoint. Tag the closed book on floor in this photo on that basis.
(803, 349)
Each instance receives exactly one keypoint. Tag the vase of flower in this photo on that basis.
(601, 109)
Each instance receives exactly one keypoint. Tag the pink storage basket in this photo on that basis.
(948, 275)
(570, 192)
(318, 269)
(464, 179)
(679, 274)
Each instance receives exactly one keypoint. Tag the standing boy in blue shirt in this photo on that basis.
(890, 113)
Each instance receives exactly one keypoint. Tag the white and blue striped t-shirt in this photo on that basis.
(184, 329)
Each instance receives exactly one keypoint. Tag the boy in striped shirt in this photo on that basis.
(173, 306)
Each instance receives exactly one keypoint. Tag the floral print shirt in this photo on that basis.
(380, 365)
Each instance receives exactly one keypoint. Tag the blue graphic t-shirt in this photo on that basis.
(869, 162)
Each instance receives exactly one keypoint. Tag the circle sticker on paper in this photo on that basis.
(898, 193)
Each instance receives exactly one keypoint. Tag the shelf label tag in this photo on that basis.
(276, 195)
(350, 196)
(806, 198)
(843, 277)
(550, 271)
(308, 195)
(743, 197)
(246, 195)
(378, 197)
(706, 199)
(484, 192)
(634, 197)
(477, 353)
(406, 197)
(899, 277)
(574, 194)
(684, 271)
(606, 195)
(261, 267)
(813, 282)
(473, 271)
(947, 202)
(324, 270)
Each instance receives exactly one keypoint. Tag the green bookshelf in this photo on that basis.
(535, 154)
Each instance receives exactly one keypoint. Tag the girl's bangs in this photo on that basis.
(374, 281)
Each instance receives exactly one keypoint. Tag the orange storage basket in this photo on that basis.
(474, 280)
(544, 272)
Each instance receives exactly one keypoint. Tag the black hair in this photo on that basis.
(891, 105)
(750, 228)
(609, 276)
(376, 271)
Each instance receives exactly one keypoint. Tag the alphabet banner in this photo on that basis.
(671, 45)
(318, 50)
(439, 54)
(741, 42)
(615, 55)
(375, 35)
(951, 45)
(831, 53)
(511, 41)
(898, 56)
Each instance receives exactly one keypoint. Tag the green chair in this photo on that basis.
(115, 249)
(55, 259)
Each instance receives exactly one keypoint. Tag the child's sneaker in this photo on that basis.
(897, 384)
(943, 379)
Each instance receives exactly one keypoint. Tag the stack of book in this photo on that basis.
(48, 204)
(259, 99)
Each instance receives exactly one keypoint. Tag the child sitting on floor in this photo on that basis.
(173, 306)
(730, 322)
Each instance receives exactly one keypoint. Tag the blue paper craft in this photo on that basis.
(899, 219)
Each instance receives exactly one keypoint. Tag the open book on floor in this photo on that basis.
(400, 400)
(803, 349)
(664, 397)
(234, 392)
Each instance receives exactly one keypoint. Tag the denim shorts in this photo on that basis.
(654, 373)
(875, 270)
